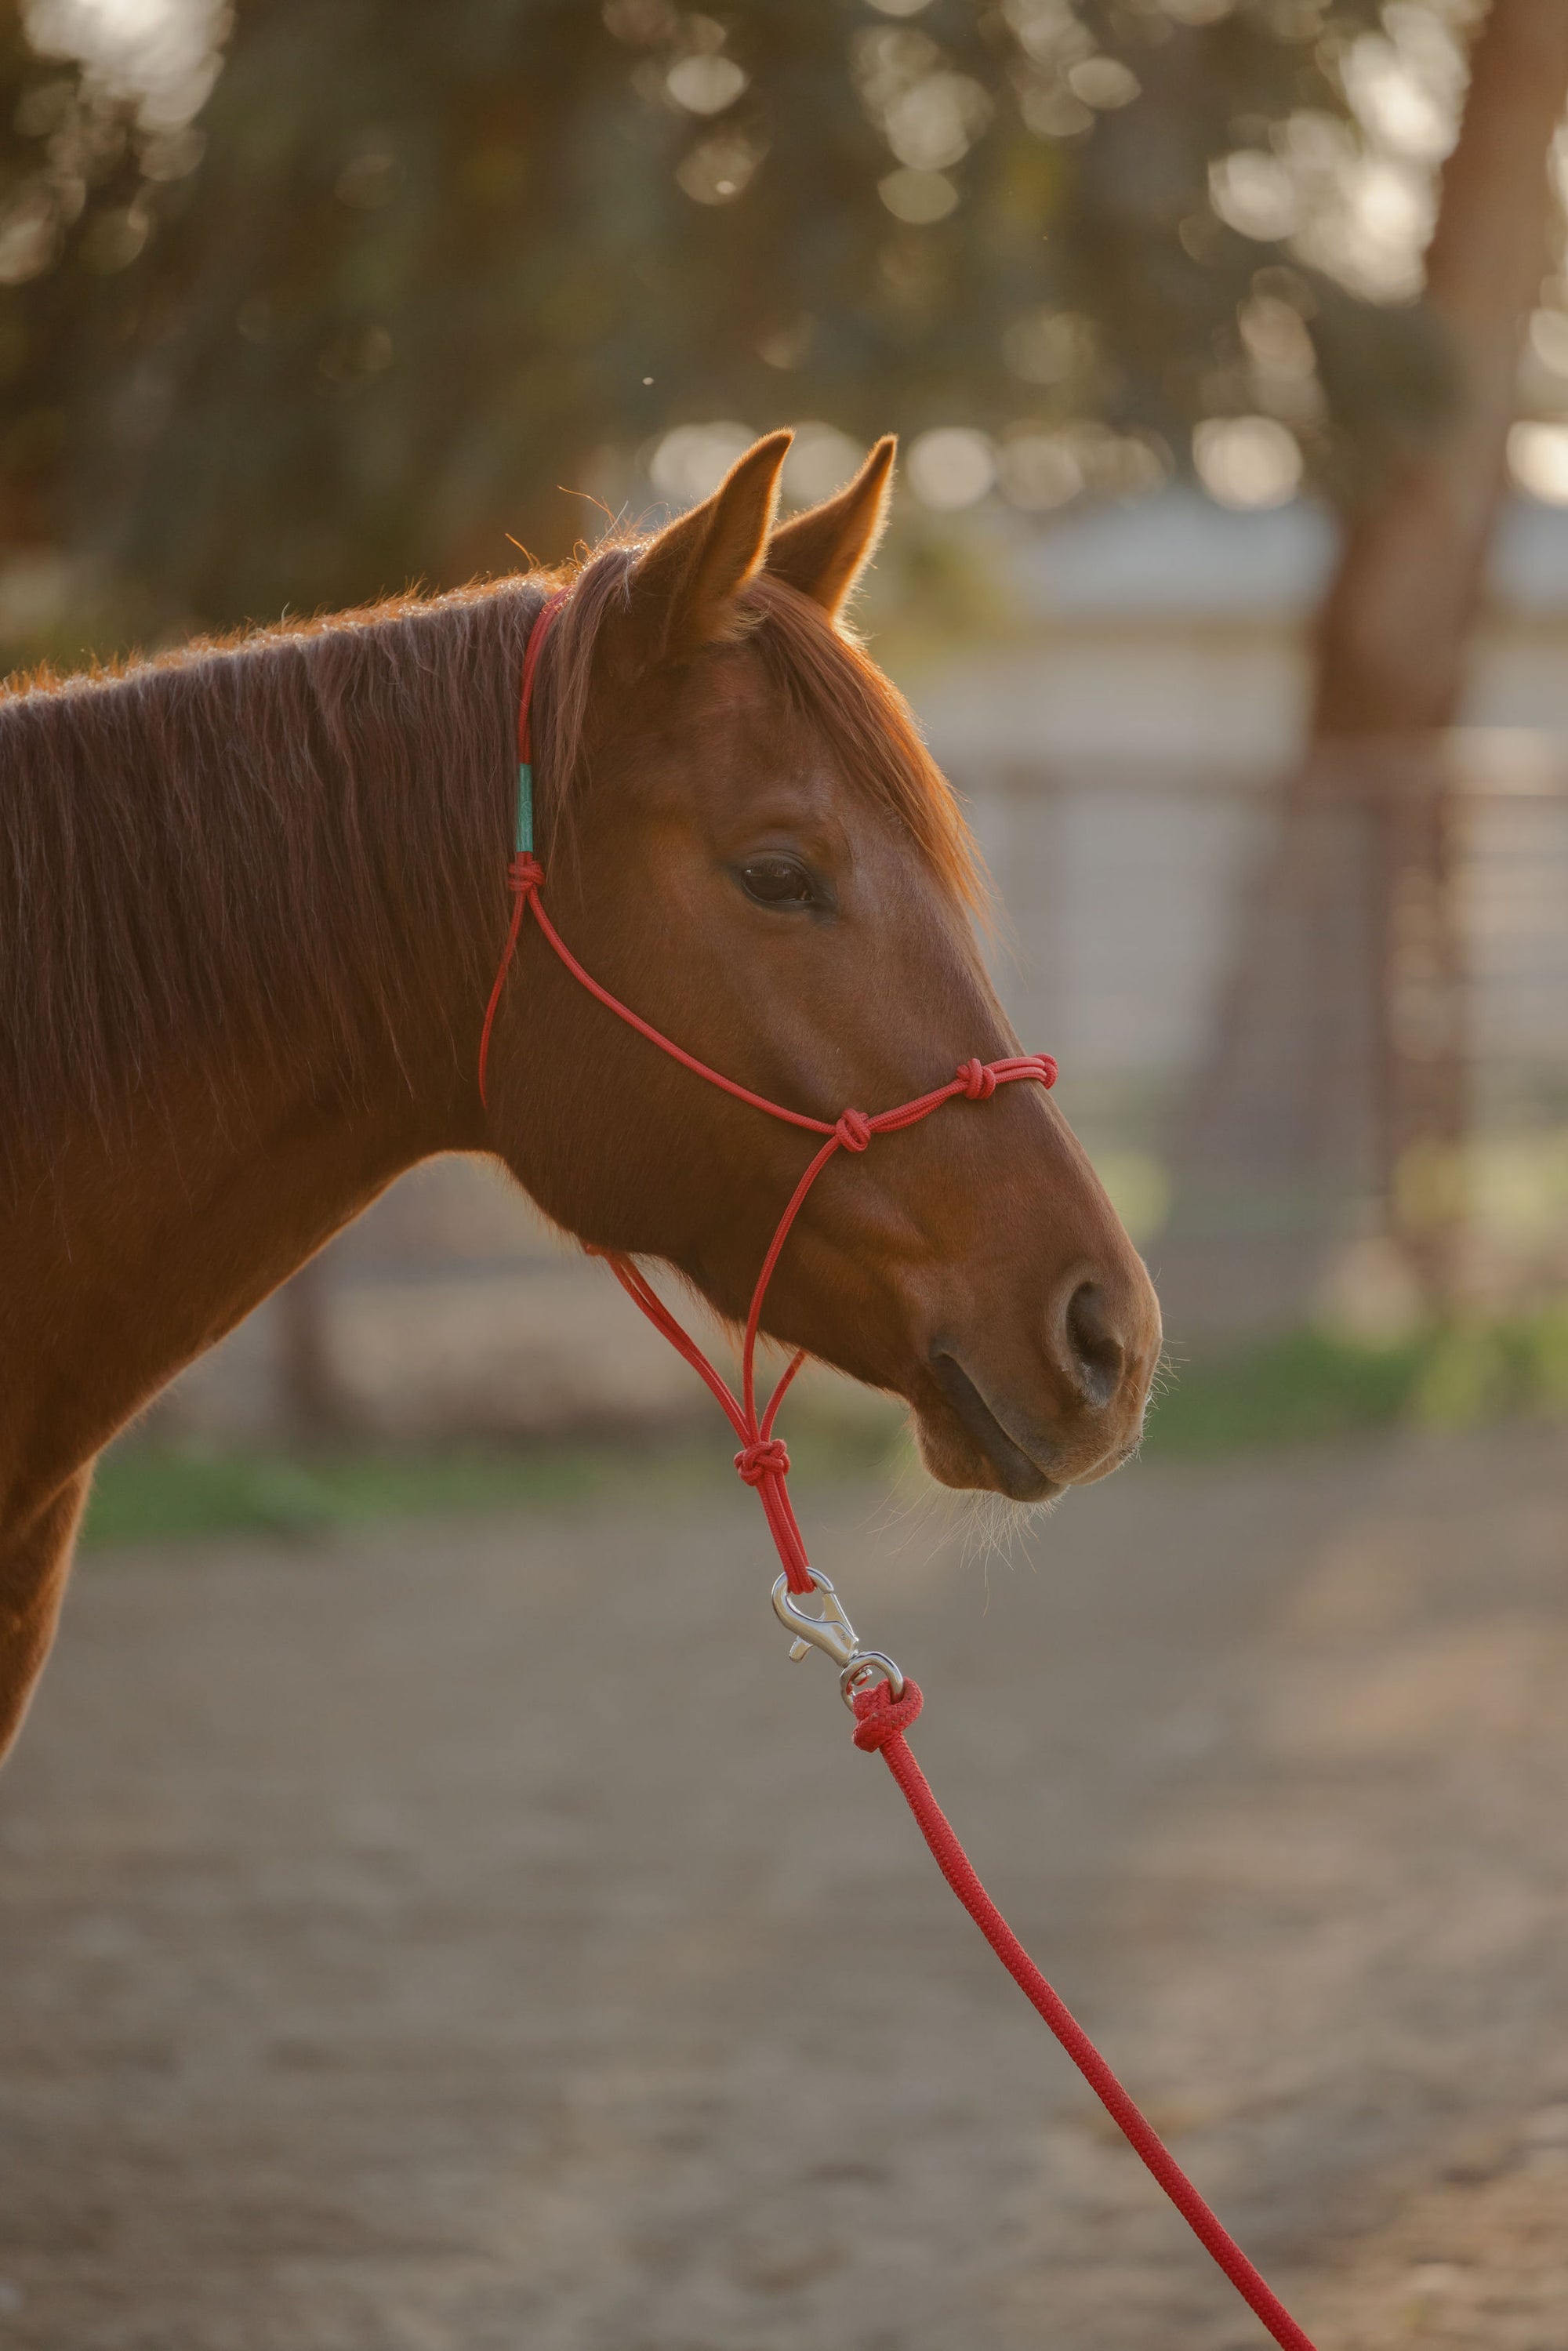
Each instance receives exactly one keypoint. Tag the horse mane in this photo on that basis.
(257, 839)
(266, 837)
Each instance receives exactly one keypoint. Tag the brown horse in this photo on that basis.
(252, 898)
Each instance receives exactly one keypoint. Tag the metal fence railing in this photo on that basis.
(1315, 1027)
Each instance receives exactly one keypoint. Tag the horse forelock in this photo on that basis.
(871, 728)
(822, 672)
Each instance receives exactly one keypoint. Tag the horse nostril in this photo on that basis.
(1095, 1354)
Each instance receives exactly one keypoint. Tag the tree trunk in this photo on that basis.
(1395, 628)
(311, 1397)
(1395, 631)
(1337, 1099)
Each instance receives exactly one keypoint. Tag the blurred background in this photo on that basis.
(402, 1948)
(1228, 343)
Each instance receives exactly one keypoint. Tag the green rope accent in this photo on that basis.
(524, 809)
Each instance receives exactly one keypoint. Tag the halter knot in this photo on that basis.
(524, 873)
(854, 1129)
(979, 1083)
(768, 1458)
(879, 1716)
(1045, 1063)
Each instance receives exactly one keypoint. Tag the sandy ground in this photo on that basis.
(480, 1939)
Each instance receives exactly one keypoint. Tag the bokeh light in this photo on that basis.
(1537, 461)
(704, 84)
(819, 462)
(694, 459)
(919, 198)
(1039, 470)
(951, 468)
(163, 53)
(1248, 460)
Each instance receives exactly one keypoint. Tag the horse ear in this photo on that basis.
(824, 551)
(684, 585)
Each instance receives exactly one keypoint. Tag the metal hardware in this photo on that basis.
(863, 1670)
(832, 1633)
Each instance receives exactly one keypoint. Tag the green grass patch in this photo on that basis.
(1311, 1384)
(145, 1491)
(1307, 1385)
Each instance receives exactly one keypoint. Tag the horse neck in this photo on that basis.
(298, 897)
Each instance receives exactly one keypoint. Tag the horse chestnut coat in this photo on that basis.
(251, 903)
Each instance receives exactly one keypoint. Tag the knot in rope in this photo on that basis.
(879, 1716)
(979, 1083)
(1045, 1063)
(524, 873)
(854, 1129)
(768, 1458)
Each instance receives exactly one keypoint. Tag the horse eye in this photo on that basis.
(778, 882)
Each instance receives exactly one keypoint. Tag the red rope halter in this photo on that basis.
(886, 1709)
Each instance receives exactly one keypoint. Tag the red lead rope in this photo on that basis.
(881, 1719)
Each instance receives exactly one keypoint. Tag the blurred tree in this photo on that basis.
(1396, 628)
(314, 1407)
(1397, 619)
(406, 269)
(1358, 906)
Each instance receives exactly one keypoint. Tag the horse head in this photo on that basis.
(745, 839)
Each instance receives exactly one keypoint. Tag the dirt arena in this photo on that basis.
(479, 1938)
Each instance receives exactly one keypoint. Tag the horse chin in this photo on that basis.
(963, 1445)
(968, 1442)
(961, 1464)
